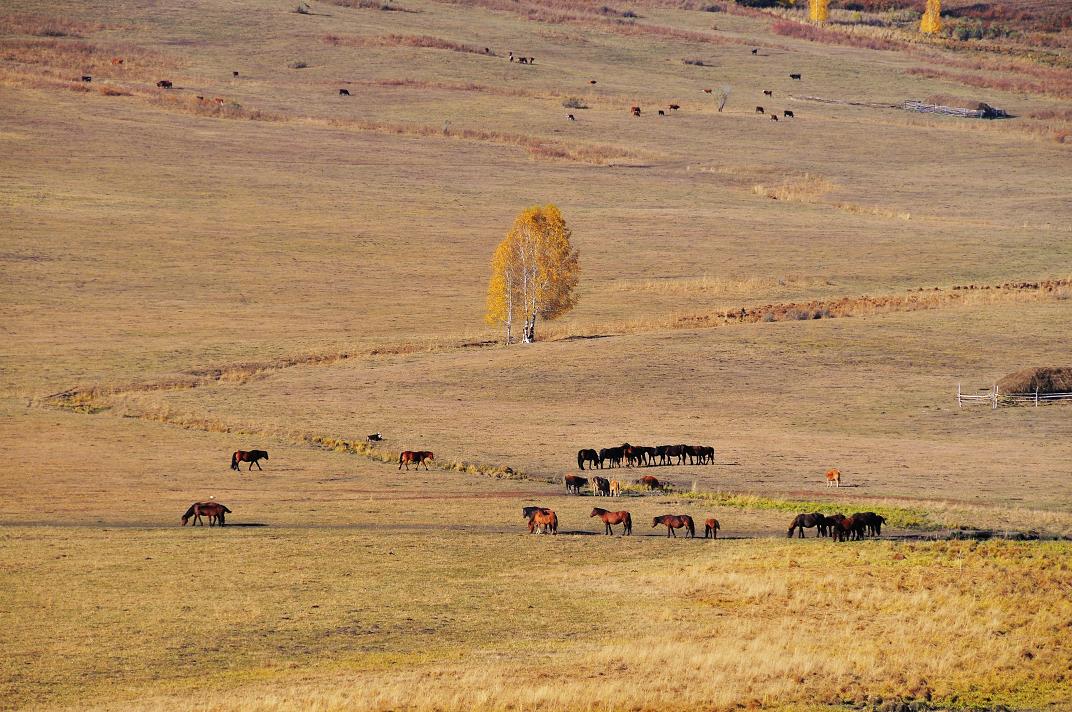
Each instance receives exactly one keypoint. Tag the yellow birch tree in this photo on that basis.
(818, 10)
(931, 22)
(534, 272)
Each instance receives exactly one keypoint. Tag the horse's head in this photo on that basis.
(596, 511)
(655, 522)
(185, 520)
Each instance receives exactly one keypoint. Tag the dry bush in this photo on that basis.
(46, 26)
(67, 59)
(1052, 114)
(1056, 84)
(418, 41)
(851, 36)
(803, 189)
(384, 5)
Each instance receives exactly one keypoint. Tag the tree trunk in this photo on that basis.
(530, 330)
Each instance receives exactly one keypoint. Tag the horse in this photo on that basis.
(710, 529)
(773, 117)
(612, 454)
(574, 483)
(417, 457)
(759, 110)
(529, 513)
(344, 92)
(676, 521)
(545, 520)
(164, 84)
(872, 522)
(588, 455)
(788, 114)
(116, 61)
(849, 529)
(213, 510)
(829, 522)
(697, 454)
(615, 488)
(650, 482)
(600, 487)
(669, 452)
(250, 456)
(833, 476)
(610, 518)
(808, 520)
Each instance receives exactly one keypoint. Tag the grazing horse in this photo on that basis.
(710, 528)
(571, 117)
(610, 518)
(87, 78)
(774, 117)
(574, 483)
(417, 457)
(588, 455)
(544, 520)
(848, 529)
(675, 107)
(755, 51)
(164, 84)
(213, 510)
(872, 522)
(830, 522)
(529, 513)
(759, 110)
(650, 482)
(808, 520)
(234, 74)
(613, 455)
(600, 487)
(833, 477)
(250, 456)
(344, 92)
(676, 521)
(615, 488)
(768, 92)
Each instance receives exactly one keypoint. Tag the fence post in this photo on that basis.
(960, 403)
(994, 398)
(1036, 396)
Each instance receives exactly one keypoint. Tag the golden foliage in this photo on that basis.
(534, 272)
(818, 10)
(931, 22)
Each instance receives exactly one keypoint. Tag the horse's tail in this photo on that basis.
(580, 459)
(554, 523)
(234, 460)
(628, 522)
(691, 526)
(400, 456)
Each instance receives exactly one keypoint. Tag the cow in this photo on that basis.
(768, 92)
(774, 117)
(574, 483)
(755, 51)
(511, 56)
(571, 117)
(635, 110)
(788, 114)
(523, 60)
(218, 100)
(601, 486)
(591, 81)
(760, 110)
(662, 113)
(708, 91)
(374, 438)
(234, 74)
(87, 78)
(117, 61)
(795, 76)
(615, 488)
(164, 84)
(344, 92)
(675, 107)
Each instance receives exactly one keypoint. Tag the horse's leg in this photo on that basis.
(258, 464)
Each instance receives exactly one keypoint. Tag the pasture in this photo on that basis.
(291, 268)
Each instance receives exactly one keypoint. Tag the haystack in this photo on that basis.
(1056, 379)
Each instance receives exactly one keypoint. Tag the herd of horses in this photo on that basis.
(640, 456)
(837, 526)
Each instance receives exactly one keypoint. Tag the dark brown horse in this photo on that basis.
(590, 456)
(601, 487)
(872, 522)
(710, 528)
(574, 483)
(545, 521)
(416, 457)
(669, 452)
(848, 529)
(611, 455)
(650, 482)
(676, 521)
(529, 513)
(250, 456)
(213, 510)
(610, 518)
(830, 522)
(801, 521)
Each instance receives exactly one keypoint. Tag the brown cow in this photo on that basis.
(650, 482)
(116, 61)
(635, 110)
(164, 84)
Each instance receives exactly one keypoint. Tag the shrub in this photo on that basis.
(574, 103)
(768, 317)
(711, 8)
(297, 65)
(302, 9)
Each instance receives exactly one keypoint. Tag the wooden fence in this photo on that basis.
(994, 398)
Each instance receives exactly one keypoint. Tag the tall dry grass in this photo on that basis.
(393, 40)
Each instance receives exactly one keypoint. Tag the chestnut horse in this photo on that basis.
(213, 510)
(710, 528)
(544, 520)
(676, 521)
(417, 457)
(833, 477)
(529, 513)
(614, 518)
(650, 482)
(615, 488)
(250, 456)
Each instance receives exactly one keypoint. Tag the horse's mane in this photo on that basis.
(190, 511)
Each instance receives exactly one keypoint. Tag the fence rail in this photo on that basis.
(995, 398)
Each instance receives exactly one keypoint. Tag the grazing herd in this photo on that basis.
(640, 455)
(838, 526)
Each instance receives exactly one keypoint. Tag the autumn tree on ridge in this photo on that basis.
(534, 272)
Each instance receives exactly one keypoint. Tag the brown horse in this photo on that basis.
(710, 528)
(610, 518)
(872, 522)
(650, 482)
(615, 488)
(574, 483)
(416, 457)
(676, 521)
(529, 513)
(213, 510)
(808, 520)
(250, 456)
(544, 520)
(601, 487)
(833, 477)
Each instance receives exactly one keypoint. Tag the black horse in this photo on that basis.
(813, 519)
(250, 456)
(588, 455)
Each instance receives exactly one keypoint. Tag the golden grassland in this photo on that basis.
(292, 269)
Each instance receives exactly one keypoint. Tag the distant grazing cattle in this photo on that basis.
(635, 110)
(234, 74)
(591, 81)
(788, 114)
(164, 84)
(774, 117)
(344, 92)
(708, 91)
(87, 78)
(795, 76)
(675, 107)
(649, 482)
(523, 60)
(511, 56)
(532, 60)
(768, 92)
(487, 50)
(759, 110)
(200, 98)
(662, 113)
(116, 61)
(218, 100)
(374, 438)
(755, 51)
(833, 477)
(571, 117)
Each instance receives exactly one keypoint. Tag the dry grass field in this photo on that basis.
(290, 269)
